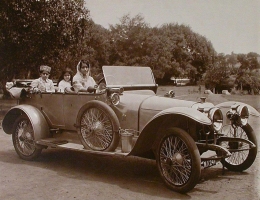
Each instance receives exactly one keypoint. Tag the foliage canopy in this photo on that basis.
(36, 32)
(60, 32)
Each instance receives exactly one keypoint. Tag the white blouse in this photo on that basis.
(62, 85)
(43, 85)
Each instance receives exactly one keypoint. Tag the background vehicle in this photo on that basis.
(125, 117)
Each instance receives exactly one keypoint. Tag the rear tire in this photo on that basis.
(23, 139)
(178, 160)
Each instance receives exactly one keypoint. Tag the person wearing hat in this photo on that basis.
(43, 84)
(82, 81)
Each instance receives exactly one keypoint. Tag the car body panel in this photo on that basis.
(51, 105)
(39, 124)
(60, 109)
(161, 103)
(151, 129)
(188, 112)
(165, 106)
(72, 104)
(141, 108)
(128, 110)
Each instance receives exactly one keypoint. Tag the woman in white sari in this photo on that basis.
(82, 81)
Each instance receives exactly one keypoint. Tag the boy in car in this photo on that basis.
(43, 84)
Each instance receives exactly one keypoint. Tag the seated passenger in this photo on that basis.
(65, 80)
(43, 84)
(82, 81)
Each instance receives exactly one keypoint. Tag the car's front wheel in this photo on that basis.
(242, 155)
(23, 139)
(98, 127)
(178, 160)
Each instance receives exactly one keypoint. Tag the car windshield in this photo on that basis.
(128, 76)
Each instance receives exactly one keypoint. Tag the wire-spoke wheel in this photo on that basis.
(23, 139)
(99, 127)
(242, 156)
(178, 160)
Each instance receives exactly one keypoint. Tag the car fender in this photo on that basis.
(148, 135)
(185, 111)
(39, 123)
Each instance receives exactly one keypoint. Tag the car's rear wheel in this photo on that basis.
(23, 139)
(178, 160)
(98, 127)
(240, 159)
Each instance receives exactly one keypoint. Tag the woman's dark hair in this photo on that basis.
(66, 70)
(86, 62)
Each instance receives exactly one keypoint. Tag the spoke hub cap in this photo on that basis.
(97, 126)
(177, 158)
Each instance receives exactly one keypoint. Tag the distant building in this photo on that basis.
(180, 81)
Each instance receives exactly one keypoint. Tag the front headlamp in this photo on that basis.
(239, 114)
(216, 116)
(244, 114)
(114, 95)
(115, 99)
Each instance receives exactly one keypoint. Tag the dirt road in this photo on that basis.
(61, 174)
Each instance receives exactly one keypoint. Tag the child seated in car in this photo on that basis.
(65, 80)
(43, 84)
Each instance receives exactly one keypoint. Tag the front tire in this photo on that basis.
(23, 139)
(239, 160)
(178, 160)
(99, 127)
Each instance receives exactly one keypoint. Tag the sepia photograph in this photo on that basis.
(129, 99)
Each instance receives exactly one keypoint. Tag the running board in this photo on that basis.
(63, 144)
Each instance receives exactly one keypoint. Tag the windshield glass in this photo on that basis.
(128, 76)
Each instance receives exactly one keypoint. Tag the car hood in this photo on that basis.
(159, 103)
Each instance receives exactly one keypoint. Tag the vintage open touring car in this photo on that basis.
(124, 116)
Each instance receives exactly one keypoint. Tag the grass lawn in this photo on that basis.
(191, 93)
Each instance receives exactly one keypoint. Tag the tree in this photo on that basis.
(170, 50)
(129, 41)
(218, 76)
(185, 53)
(36, 32)
(253, 61)
(232, 60)
(249, 80)
(98, 47)
(248, 72)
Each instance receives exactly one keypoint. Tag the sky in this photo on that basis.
(230, 25)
